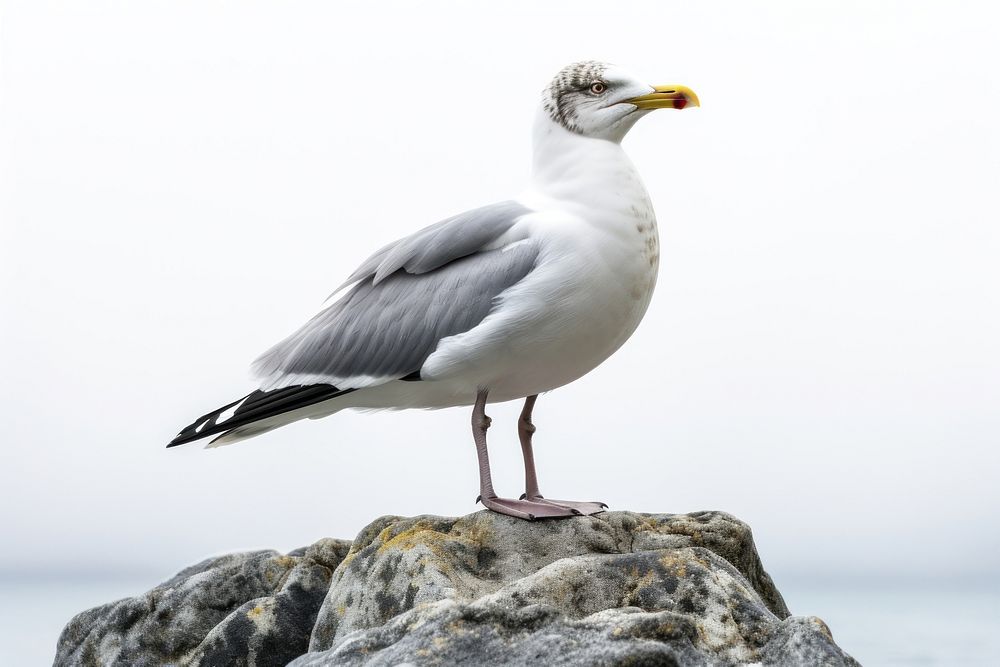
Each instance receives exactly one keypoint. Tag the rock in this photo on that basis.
(613, 589)
(222, 611)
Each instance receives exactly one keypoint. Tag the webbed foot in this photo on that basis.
(530, 509)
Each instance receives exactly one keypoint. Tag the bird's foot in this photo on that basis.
(530, 509)
(580, 506)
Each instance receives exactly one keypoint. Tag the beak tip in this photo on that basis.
(690, 99)
(667, 97)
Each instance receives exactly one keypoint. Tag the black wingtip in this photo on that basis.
(254, 407)
(184, 437)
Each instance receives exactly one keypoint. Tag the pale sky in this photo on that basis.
(185, 182)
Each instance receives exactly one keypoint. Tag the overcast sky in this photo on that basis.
(185, 182)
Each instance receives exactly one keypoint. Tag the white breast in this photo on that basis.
(599, 254)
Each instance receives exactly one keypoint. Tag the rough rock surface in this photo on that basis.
(248, 608)
(618, 588)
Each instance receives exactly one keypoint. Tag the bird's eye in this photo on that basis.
(598, 87)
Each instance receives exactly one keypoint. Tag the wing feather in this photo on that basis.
(434, 246)
(439, 282)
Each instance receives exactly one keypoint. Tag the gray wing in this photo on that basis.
(434, 246)
(409, 295)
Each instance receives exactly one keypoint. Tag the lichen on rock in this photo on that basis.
(615, 588)
(217, 612)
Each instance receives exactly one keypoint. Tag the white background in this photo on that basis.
(184, 183)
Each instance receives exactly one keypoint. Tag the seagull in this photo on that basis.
(499, 303)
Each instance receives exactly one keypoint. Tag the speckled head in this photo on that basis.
(603, 101)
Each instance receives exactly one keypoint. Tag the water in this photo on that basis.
(920, 623)
(917, 624)
(34, 611)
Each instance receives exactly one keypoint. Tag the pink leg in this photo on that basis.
(525, 429)
(522, 509)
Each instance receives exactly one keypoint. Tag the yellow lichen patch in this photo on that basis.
(439, 642)
(255, 612)
(645, 580)
(341, 609)
(641, 579)
(646, 524)
(285, 561)
(351, 555)
(617, 632)
(704, 562)
(636, 583)
(479, 533)
(674, 564)
(383, 535)
(421, 533)
(823, 627)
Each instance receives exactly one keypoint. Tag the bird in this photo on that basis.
(499, 303)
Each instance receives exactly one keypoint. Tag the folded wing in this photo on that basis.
(407, 297)
(439, 282)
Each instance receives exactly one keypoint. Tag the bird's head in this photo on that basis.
(603, 101)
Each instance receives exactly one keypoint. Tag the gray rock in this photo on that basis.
(613, 589)
(255, 608)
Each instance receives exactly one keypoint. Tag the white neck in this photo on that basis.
(580, 173)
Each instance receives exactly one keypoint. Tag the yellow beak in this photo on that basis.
(666, 97)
